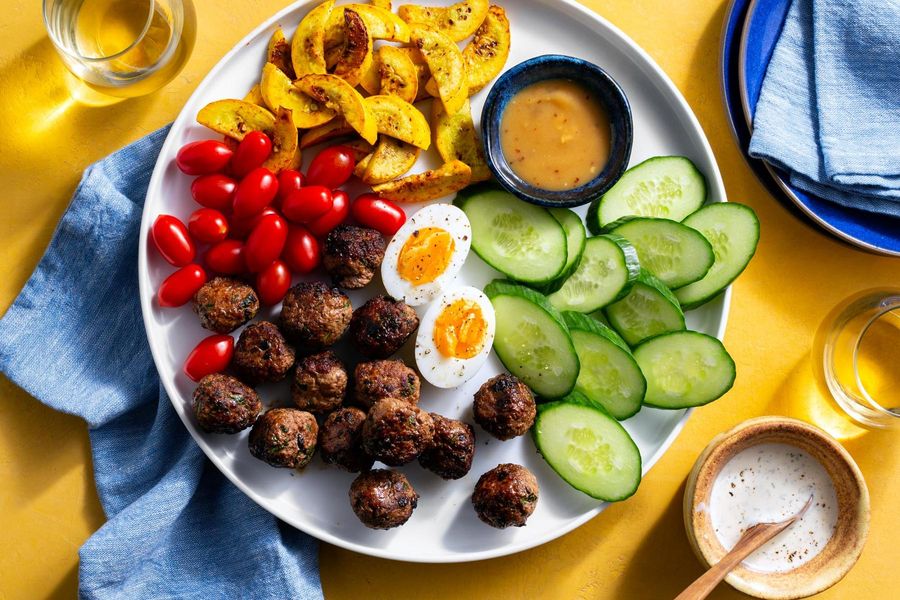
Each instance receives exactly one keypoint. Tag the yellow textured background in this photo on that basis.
(637, 549)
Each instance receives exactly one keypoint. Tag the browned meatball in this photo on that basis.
(382, 325)
(320, 382)
(315, 315)
(380, 379)
(382, 499)
(452, 448)
(261, 354)
(352, 255)
(340, 440)
(284, 437)
(504, 407)
(396, 432)
(225, 304)
(505, 496)
(222, 404)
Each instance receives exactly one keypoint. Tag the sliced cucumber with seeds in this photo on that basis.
(532, 339)
(670, 187)
(648, 310)
(521, 240)
(675, 253)
(609, 377)
(684, 369)
(575, 240)
(589, 449)
(608, 268)
(733, 231)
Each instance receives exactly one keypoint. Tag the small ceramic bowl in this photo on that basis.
(842, 550)
(592, 77)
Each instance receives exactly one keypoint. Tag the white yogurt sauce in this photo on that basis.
(769, 483)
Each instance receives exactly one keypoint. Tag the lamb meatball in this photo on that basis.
(382, 499)
(380, 379)
(396, 432)
(505, 407)
(222, 404)
(225, 304)
(284, 437)
(340, 440)
(382, 325)
(505, 496)
(352, 256)
(314, 314)
(261, 354)
(452, 448)
(320, 382)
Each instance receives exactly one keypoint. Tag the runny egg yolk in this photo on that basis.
(425, 255)
(459, 330)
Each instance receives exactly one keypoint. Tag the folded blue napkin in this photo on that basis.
(74, 340)
(829, 108)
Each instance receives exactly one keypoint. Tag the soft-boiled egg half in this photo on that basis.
(455, 337)
(426, 254)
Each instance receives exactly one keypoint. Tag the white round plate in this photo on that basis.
(444, 527)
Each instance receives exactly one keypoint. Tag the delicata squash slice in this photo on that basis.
(339, 96)
(430, 185)
(278, 90)
(355, 56)
(457, 21)
(308, 44)
(279, 53)
(400, 119)
(455, 139)
(392, 72)
(446, 64)
(285, 151)
(236, 118)
(486, 54)
(391, 159)
(381, 24)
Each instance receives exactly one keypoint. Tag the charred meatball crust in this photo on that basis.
(320, 382)
(315, 315)
(505, 407)
(382, 325)
(382, 499)
(284, 437)
(380, 379)
(505, 496)
(225, 304)
(340, 440)
(352, 256)
(452, 448)
(396, 432)
(262, 354)
(222, 404)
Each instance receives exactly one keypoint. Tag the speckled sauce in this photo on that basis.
(769, 483)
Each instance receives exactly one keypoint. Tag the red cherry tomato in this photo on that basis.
(301, 251)
(179, 287)
(307, 204)
(340, 209)
(241, 228)
(226, 257)
(212, 355)
(208, 225)
(265, 242)
(273, 282)
(203, 157)
(214, 191)
(331, 167)
(251, 153)
(289, 181)
(378, 213)
(172, 240)
(254, 192)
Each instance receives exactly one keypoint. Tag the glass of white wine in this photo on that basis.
(122, 48)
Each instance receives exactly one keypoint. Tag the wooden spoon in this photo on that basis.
(752, 539)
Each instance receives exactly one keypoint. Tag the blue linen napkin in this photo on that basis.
(74, 340)
(829, 108)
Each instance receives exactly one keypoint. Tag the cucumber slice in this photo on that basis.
(521, 240)
(608, 268)
(684, 369)
(733, 231)
(610, 377)
(575, 240)
(648, 310)
(589, 449)
(670, 187)
(532, 339)
(676, 254)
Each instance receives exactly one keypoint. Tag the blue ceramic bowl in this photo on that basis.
(592, 77)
